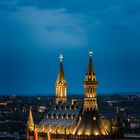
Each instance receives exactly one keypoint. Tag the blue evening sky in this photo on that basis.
(34, 32)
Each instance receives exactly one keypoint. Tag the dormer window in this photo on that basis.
(67, 117)
(48, 115)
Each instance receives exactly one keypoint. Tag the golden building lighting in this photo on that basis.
(75, 118)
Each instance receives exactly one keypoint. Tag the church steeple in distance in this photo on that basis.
(30, 121)
(61, 85)
(116, 123)
(90, 85)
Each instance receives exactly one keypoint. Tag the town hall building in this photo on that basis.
(73, 119)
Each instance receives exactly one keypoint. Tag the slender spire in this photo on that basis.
(90, 70)
(60, 77)
(90, 74)
(61, 85)
(30, 122)
(116, 123)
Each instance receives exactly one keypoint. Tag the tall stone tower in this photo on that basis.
(90, 122)
(90, 85)
(61, 85)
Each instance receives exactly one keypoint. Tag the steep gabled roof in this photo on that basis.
(90, 123)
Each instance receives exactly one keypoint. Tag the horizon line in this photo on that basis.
(70, 94)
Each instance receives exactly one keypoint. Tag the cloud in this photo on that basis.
(9, 5)
(54, 28)
(110, 27)
(106, 11)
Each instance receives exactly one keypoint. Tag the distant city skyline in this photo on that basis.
(34, 33)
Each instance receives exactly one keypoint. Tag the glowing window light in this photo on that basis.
(96, 133)
(104, 134)
(67, 131)
(72, 117)
(51, 128)
(79, 133)
(94, 118)
(88, 133)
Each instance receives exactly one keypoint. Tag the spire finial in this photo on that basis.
(61, 57)
(90, 52)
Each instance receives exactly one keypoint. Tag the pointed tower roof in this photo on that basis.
(117, 120)
(60, 77)
(30, 122)
(116, 124)
(90, 124)
(90, 74)
(90, 65)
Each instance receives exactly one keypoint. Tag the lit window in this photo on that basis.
(96, 133)
(94, 118)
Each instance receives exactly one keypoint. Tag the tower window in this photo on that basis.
(94, 118)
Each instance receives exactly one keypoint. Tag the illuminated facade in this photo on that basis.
(90, 122)
(61, 85)
(90, 85)
(73, 118)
